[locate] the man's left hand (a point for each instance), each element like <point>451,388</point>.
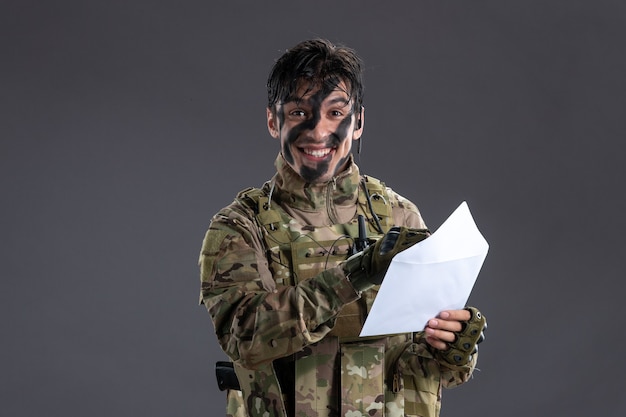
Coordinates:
<point>456,333</point>
<point>441,330</point>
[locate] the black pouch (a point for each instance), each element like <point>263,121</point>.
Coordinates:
<point>226,376</point>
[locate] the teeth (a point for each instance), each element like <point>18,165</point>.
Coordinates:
<point>318,153</point>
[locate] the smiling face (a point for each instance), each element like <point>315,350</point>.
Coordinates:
<point>316,129</point>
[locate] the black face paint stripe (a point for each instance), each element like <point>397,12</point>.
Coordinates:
<point>344,126</point>
<point>280,118</point>
<point>311,174</point>
<point>308,124</point>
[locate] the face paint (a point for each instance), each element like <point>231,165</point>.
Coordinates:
<point>316,132</point>
<point>335,140</point>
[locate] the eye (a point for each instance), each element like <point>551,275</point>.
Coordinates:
<point>297,113</point>
<point>336,113</point>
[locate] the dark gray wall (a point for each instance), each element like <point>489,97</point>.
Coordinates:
<point>126,124</point>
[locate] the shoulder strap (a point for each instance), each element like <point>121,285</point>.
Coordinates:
<point>270,220</point>
<point>376,198</point>
<point>257,200</point>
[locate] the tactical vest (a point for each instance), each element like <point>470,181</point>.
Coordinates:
<point>297,252</point>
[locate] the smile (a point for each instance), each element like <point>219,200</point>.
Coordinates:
<point>317,153</point>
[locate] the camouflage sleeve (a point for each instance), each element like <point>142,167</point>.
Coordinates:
<point>413,367</point>
<point>451,375</point>
<point>255,319</point>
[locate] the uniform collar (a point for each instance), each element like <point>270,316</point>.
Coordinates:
<point>291,189</point>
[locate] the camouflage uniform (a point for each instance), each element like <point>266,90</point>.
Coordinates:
<point>288,317</point>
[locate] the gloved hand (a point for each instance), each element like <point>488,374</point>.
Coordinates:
<point>367,268</point>
<point>466,342</point>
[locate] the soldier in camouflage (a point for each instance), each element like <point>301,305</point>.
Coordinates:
<point>288,279</point>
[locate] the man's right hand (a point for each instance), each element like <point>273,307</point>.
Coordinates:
<point>368,267</point>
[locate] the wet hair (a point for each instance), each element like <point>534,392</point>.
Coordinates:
<point>320,64</point>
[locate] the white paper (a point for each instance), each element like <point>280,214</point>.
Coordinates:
<point>434,275</point>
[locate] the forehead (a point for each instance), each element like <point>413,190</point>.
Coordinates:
<point>319,91</point>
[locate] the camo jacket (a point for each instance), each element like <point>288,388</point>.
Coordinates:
<point>287,316</point>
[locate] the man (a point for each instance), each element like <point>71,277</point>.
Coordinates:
<point>290,270</point>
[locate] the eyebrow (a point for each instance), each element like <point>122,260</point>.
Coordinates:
<point>340,100</point>
<point>331,101</point>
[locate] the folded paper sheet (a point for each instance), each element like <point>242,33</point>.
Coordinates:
<point>436,274</point>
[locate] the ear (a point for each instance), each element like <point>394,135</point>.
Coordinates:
<point>272,125</point>
<point>358,124</point>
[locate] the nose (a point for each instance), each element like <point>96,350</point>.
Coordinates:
<point>322,129</point>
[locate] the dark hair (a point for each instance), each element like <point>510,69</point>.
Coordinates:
<point>321,64</point>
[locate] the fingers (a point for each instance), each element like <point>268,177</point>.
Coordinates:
<point>458,315</point>
<point>437,337</point>
<point>439,331</point>
<point>450,320</point>
<point>436,343</point>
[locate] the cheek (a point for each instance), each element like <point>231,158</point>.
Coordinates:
<point>343,129</point>
<point>342,133</point>
<point>285,136</point>
<point>286,149</point>
<point>280,118</point>
<point>290,135</point>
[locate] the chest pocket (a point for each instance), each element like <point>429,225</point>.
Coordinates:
<point>310,257</point>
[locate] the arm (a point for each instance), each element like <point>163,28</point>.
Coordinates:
<point>256,320</point>
<point>415,368</point>
<point>431,353</point>
<point>446,348</point>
